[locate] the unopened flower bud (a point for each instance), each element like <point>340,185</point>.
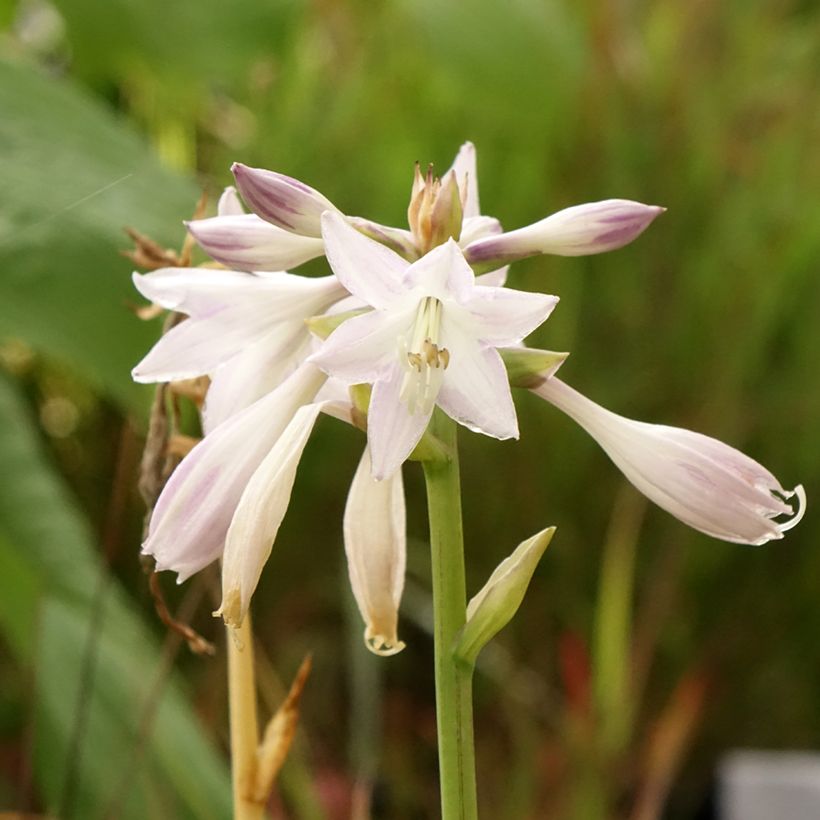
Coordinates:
<point>494,606</point>
<point>435,212</point>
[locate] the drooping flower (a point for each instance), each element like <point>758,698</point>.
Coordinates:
<point>375,546</point>
<point>430,340</point>
<point>707,484</point>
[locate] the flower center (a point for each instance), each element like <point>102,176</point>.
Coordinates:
<point>424,361</point>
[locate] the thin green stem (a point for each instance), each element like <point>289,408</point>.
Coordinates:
<point>454,710</point>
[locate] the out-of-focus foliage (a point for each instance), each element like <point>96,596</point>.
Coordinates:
<point>708,321</point>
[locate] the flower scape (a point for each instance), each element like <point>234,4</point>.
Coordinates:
<point>410,320</point>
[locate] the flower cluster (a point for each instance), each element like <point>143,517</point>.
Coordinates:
<point>421,317</point>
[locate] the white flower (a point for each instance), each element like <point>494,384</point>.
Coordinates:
<point>375,545</point>
<point>247,331</point>
<point>431,340</point>
<point>706,484</point>
<point>196,508</point>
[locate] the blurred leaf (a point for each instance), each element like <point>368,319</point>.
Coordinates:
<point>73,177</point>
<point>44,542</point>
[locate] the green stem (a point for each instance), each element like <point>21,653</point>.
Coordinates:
<point>454,711</point>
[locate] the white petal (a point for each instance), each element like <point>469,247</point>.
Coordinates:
<point>475,391</point>
<point>362,347</point>
<point>366,268</point>
<point>229,204</point>
<point>249,243</point>
<point>494,279</point>
<point>259,514</point>
<point>706,484</point>
<point>478,227</point>
<point>465,167</point>
<point>578,231</point>
<point>392,431</point>
<point>397,239</point>
<point>375,545</point>
<point>255,371</point>
<point>504,316</point>
<point>442,273</point>
<point>193,513</point>
<point>229,311</point>
<point>282,200</point>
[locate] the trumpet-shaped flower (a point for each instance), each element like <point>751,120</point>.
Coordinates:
<point>430,340</point>
<point>197,506</point>
<point>375,545</point>
<point>247,331</point>
<point>706,484</point>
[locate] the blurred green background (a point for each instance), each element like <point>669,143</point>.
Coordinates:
<point>643,650</point>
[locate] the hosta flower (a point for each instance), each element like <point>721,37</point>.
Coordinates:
<point>430,340</point>
<point>375,546</point>
<point>247,331</point>
<point>706,484</point>
<point>449,207</point>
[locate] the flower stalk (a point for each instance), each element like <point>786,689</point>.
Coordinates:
<point>454,715</point>
<point>244,721</point>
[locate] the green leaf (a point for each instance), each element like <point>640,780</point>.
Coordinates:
<point>46,551</point>
<point>73,177</point>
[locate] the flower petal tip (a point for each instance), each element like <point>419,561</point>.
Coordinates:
<point>381,645</point>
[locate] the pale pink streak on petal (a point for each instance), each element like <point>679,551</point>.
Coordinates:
<point>282,200</point>
<point>581,230</point>
<point>475,391</point>
<point>705,483</point>
<point>392,431</point>
<point>191,518</point>
<point>249,243</point>
<point>366,268</point>
<point>504,316</point>
<point>375,545</point>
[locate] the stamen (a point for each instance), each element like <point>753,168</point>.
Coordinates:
<point>424,361</point>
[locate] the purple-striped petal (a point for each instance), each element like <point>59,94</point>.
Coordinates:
<point>282,200</point>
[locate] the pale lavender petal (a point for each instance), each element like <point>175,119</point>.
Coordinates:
<point>255,371</point>
<point>475,391</point>
<point>398,240</point>
<point>706,484</point>
<point>464,166</point>
<point>504,316</point>
<point>193,513</point>
<point>578,231</point>
<point>361,348</point>
<point>375,546</point>
<point>478,227</point>
<point>229,311</point>
<point>249,243</point>
<point>259,514</point>
<point>229,204</point>
<point>392,430</point>
<point>494,279</point>
<point>282,200</point>
<point>367,269</point>
<point>442,273</point>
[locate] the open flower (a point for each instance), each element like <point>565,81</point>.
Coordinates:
<point>430,340</point>
<point>247,331</point>
<point>706,484</point>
